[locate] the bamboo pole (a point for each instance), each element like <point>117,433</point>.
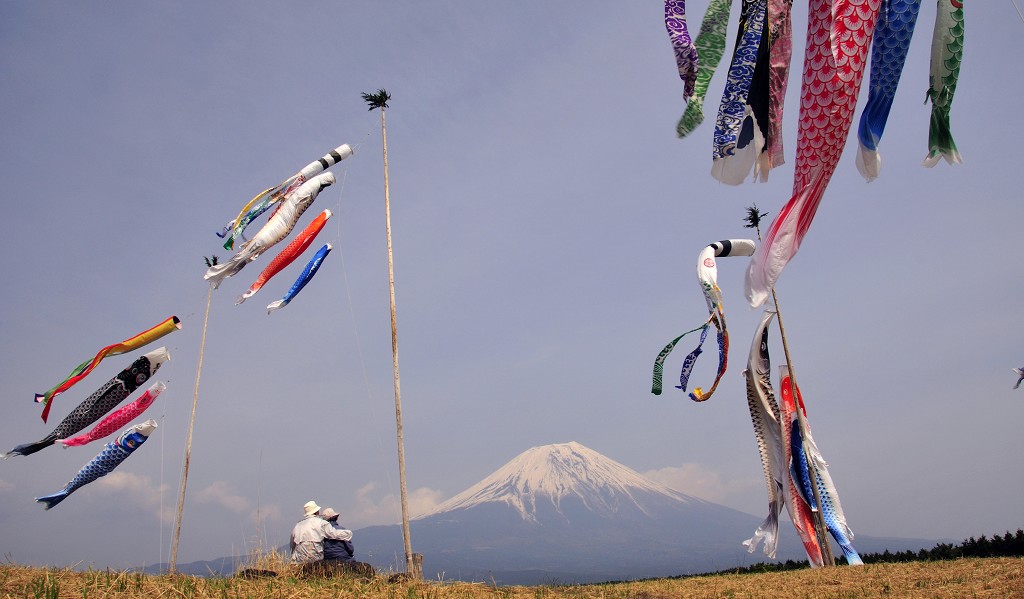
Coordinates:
<point>188,442</point>
<point>411,566</point>
<point>820,530</point>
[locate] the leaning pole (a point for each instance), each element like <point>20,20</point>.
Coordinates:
<point>188,442</point>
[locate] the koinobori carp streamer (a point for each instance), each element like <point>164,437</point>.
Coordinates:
<point>100,402</point>
<point>304,277</point>
<point>268,197</point>
<point>288,255</point>
<point>740,130</point>
<point>103,464</point>
<point>895,28</point>
<point>764,415</point>
<point>277,228</point>
<point>82,370</point>
<point>947,53</point>
<point>805,455</point>
<point>113,421</point>
<point>838,37</point>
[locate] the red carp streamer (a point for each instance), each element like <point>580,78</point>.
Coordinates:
<point>838,37</point>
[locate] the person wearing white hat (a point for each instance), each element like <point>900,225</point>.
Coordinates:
<point>307,542</point>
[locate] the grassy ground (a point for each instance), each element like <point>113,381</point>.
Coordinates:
<point>989,577</point>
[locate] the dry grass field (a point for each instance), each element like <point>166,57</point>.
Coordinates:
<point>981,577</point>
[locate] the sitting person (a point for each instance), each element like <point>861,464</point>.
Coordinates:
<point>307,541</point>
<point>340,551</point>
<point>336,549</point>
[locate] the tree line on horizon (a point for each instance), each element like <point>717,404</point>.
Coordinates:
<point>1008,545</point>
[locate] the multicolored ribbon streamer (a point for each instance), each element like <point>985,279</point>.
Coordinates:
<point>264,199</point>
<point>707,276</point>
<point>82,370</point>
<point>659,362</point>
<point>277,228</point>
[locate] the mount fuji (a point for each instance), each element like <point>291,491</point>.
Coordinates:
<point>565,513</point>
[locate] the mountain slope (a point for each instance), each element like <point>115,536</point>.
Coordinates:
<point>551,473</point>
<point>567,512</point>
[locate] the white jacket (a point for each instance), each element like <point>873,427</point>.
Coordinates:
<point>308,536</point>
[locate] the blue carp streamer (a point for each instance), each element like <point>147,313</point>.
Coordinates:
<point>893,31</point>
<point>307,274</point>
<point>103,464</point>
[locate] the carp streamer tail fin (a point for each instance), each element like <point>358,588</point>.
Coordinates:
<point>940,139</point>
<point>768,530</point>
<point>28,448</point>
<point>49,501</point>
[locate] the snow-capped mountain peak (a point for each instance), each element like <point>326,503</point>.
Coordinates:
<point>552,473</point>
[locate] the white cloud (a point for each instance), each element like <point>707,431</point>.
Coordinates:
<point>696,480</point>
<point>223,493</point>
<point>373,509</point>
<point>266,513</point>
<point>142,490</point>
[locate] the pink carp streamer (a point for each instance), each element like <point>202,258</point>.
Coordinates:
<point>115,420</point>
<point>82,370</point>
<point>838,38</point>
<point>288,254</point>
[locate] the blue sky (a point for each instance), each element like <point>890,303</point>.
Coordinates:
<point>546,224</point>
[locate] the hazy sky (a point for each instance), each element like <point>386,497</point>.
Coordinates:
<point>546,224</point>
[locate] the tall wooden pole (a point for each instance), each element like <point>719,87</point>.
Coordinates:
<point>410,567</point>
<point>188,442</point>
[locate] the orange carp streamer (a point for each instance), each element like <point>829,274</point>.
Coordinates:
<point>288,254</point>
